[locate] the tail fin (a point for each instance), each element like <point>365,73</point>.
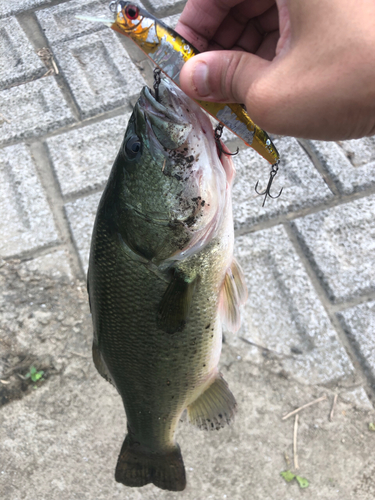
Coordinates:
<point>137,466</point>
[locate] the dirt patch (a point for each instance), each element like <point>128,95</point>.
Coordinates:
<point>22,373</point>
<point>45,326</point>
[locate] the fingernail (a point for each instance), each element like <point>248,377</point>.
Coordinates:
<point>200,79</point>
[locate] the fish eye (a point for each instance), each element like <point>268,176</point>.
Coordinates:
<point>132,11</point>
<point>133,147</point>
<point>118,5</point>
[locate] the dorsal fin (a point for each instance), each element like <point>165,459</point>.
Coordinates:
<point>233,295</point>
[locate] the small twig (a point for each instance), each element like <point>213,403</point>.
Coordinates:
<point>4,118</point>
<point>333,408</point>
<point>47,57</point>
<point>265,349</point>
<point>287,460</point>
<point>80,355</point>
<point>304,406</point>
<point>5,382</point>
<point>54,66</point>
<point>24,364</point>
<point>295,455</point>
<point>50,72</point>
<point>164,165</point>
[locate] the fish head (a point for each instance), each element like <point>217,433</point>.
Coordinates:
<point>130,19</point>
<point>175,189</point>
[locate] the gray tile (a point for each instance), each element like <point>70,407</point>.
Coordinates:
<point>340,243</point>
<point>350,163</point>
<point>99,72</point>
<point>53,265</point>
<point>302,185</point>
<point>358,398</point>
<point>26,220</point>
<point>60,24</point>
<point>283,313</point>
<point>18,61</point>
<point>359,322</point>
<point>171,21</point>
<point>360,152</point>
<point>165,7</point>
<point>81,216</point>
<point>32,109</point>
<point>82,158</point>
<point>10,7</point>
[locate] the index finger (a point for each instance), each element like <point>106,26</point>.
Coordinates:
<point>200,19</point>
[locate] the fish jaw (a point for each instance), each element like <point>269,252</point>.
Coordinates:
<point>180,132</point>
<point>170,129</point>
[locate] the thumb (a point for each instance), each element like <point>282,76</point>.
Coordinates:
<point>221,76</point>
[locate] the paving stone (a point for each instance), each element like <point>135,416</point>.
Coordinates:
<point>340,243</point>
<point>350,163</point>
<point>359,322</point>
<point>18,61</point>
<point>60,24</point>
<point>54,264</point>
<point>302,185</point>
<point>171,21</point>
<point>25,216</point>
<point>99,72</point>
<point>82,158</point>
<point>358,398</point>
<point>165,7</point>
<point>10,7</point>
<point>81,215</point>
<point>283,315</point>
<point>32,109</point>
<point>360,151</point>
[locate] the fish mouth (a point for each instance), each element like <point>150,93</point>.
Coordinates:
<point>165,116</point>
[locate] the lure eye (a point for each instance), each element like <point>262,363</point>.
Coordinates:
<point>132,12</point>
<point>133,147</point>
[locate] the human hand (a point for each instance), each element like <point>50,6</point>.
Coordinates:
<point>305,69</point>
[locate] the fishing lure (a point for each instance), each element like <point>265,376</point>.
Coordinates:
<point>169,51</point>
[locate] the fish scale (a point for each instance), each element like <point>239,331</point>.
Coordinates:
<point>135,286</point>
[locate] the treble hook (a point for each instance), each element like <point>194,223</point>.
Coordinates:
<point>267,191</point>
<point>218,132</point>
<point>157,73</point>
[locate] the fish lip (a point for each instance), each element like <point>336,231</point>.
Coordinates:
<point>150,105</point>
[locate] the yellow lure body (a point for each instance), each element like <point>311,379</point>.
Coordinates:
<point>169,51</point>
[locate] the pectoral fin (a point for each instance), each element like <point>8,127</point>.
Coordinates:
<point>176,302</point>
<point>234,294</point>
<point>214,408</point>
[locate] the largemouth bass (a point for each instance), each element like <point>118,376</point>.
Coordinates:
<point>161,281</point>
<point>169,51</point>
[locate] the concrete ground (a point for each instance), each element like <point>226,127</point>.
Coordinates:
<point>308,326</point>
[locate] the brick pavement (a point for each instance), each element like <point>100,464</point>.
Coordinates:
<point>308,256</point>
